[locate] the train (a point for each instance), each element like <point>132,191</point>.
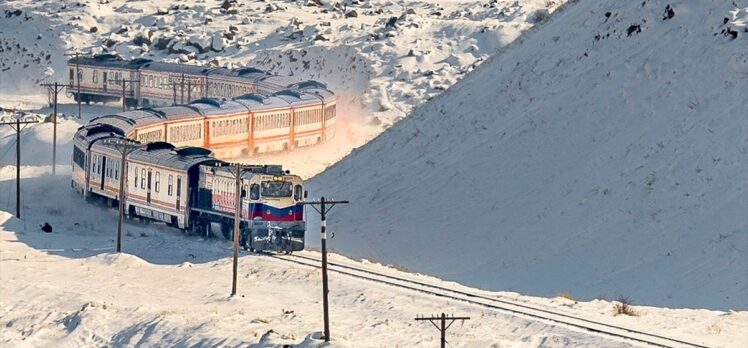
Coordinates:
<point>233,112</point>
<point>175,174</point>
<point>188,188</point>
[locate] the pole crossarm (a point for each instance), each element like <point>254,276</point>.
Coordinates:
<point>14,124</point>
<point>440,322</point>
<point>18,126</point>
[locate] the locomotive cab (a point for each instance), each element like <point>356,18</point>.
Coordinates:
<point>277,217</point>
<point>272,216</point>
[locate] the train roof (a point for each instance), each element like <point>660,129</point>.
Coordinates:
<point>129,120</point>
<point>297,98</point>
<point>109,61</point>
<point>87,135</point>
<point>258,102</point>
<point>178,158</point>
<point>175,68</point>
<point>247,74</point>
<point>275,82</point>
<point>211,107</point>
<point>227,169</point>
<point>179,112</point>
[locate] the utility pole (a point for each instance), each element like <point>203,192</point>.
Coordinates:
<point>54,88</point>
<point>16,126</point>
<point>324,208</point>
<point>237,222</point>
<point>443,326</point>
<point>124,83</point>
<point>174,83</point>
<point>125,147</point>
<point>181,86</point>
<point>76,54</point>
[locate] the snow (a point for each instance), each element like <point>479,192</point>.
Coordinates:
<point>580,159</point>
<point>580,163</point>
<point>362,59</point>
<point>62,289</point>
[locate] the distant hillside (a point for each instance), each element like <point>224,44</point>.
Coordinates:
<point>603,154</point>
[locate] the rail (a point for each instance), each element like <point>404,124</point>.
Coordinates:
<point>512,307</point>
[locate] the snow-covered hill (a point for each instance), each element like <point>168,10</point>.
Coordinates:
<point>383,57</point>
<point>604,154</point>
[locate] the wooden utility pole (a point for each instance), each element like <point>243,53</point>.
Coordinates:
<point>442,326</point>
<point>125,147</point>
<point>124,83</point>
<point>76,54</point>
<point>55,89</point>
<point>237,223</point>
<point>324,208</point>
<point>16,125</point>
<point>181,83</point>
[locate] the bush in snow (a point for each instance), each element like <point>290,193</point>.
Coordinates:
<point>623,306</point>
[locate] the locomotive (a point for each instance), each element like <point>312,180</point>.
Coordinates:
<point>188,188</point>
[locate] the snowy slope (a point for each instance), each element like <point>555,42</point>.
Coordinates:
<point>603,154</point>
<point>67,289</point>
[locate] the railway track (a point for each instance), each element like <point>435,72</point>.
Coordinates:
<point>508,306</point>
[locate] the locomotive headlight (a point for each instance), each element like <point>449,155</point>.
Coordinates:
<point>277,178</point>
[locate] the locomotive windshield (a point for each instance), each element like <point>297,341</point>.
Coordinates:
<point>277,189</point>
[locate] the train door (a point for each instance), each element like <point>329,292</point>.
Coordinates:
<point>104,79</point>
<point>148,194</point>
<point>179,190</point>
<point>103,171</point>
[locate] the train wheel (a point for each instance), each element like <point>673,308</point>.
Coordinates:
<point>227,231</point>
<point>215,229</point>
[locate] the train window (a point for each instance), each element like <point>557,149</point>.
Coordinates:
<point>276,189</point>
<point>158,181</point>
<point>72,75</point>
<point>169,188</point>
<point>116,170</point>
<point>79,157</point>
<point>142,181</point>
<point>297,192</point>
<point>136,177</point>
<point>254,192</point>
<point>95,76</point>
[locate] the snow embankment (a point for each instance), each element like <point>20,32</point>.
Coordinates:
<point>603,154</point>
